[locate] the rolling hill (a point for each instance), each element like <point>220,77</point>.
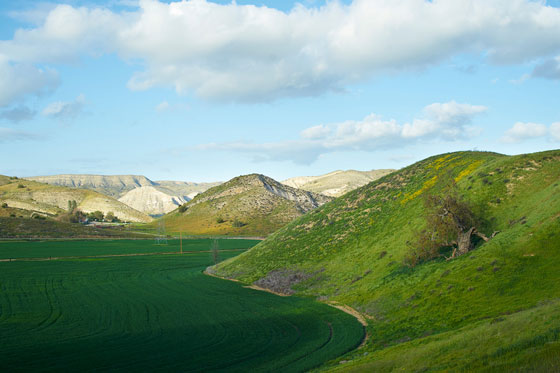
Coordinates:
<point>52,200</point>
<point>246,205</point>
<point>495,308</point>
<point>336,183</point>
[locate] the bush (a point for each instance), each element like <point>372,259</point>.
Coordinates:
<point>4,205</point>
<point>237,224</point>
<point>21,186</point>
<point>219,220</point>
<point>183,208</point>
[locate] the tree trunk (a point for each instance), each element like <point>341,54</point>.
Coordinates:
<point>464,242</point>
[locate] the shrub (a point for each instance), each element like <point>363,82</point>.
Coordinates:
<point>219,220</point>
<point>4,205</point>
<point>183,208</point>
<point>237,223</point>
<point>21,186</point>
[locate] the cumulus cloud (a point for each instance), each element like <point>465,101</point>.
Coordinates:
<point>9,134</point>
<point>65,111</point>
<point>249,53</point>
<point>523,131</point>
<point>18,114</point>
<point>440,121</point>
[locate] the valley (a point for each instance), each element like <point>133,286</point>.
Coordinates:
<point>360,252</point>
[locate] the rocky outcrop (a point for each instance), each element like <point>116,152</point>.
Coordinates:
<point>151,201</point>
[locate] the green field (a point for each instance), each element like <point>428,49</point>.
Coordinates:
<point>82,248</point>
<point>157,312</point>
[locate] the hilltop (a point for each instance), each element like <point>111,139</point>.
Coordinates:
<point>336,183</point>
<point>494,308</point>
<point>51,200</point>
<point>246,205</point>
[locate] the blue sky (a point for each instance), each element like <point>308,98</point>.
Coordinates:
<point>202,91</point>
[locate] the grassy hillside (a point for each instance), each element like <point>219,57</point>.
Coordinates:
<point>246,205</point>
<point>351,250</point>
<point>52,200</point>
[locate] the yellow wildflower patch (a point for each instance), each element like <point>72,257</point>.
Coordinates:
<point>428,184</point>
<point>469,170</point>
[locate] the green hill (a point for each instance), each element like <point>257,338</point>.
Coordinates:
<point>246,205</point>
<point>495,308</point>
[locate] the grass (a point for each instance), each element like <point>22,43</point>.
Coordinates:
<point>354,249</point>
<point>77,248</point>
<point>147,313</point>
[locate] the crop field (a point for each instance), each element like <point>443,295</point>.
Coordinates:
<point>155,312</point>
<point>82,248</point>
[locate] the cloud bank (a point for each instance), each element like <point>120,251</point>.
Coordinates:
<point>525,131</point>
<point>440,121</point>
<point>247,53</point>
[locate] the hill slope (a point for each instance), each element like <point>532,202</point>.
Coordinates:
<point>53,200</point>
<point>336,183</point>
<point>246,205</point>
<point>504,293</point>
<point>151,201</point>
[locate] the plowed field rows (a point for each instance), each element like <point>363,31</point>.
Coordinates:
<point>159,312</point>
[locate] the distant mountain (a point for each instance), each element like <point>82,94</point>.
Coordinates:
<point>246,205</point>
<point>336,183</point>
<point>150,197</point>
<point>52,199</point>
<point>184,188</point>
<point>110,185</point>
<point>152,201</point>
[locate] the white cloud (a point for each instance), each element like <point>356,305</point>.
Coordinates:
<point>249,53</point>
<point>65,111</point>
<point>163,106</point>
<point>523,131</point>
<point>448,121</point>
<point>555,131</point>
<point>20,79</point>
<point>316,132</point>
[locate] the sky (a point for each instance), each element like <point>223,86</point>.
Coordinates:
<point>200,90</point>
